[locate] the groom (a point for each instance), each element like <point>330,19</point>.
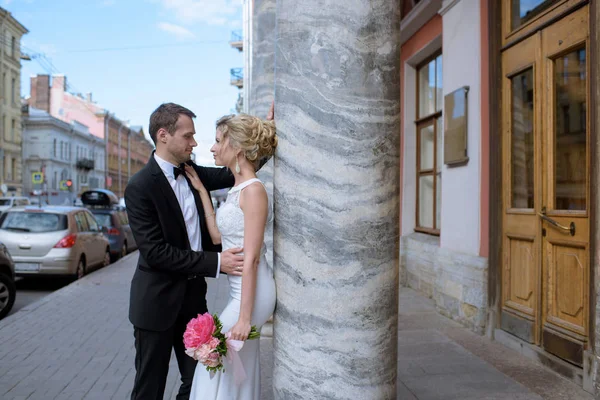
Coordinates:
<point>176,253</point>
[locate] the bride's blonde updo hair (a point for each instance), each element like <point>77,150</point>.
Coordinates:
<point>255,137</point>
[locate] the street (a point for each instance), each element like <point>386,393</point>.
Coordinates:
<point>29,290</point>
<point>82,348</point>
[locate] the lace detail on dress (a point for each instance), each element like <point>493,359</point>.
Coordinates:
<point>230,218</point>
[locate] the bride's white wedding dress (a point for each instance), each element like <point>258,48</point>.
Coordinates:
<point>221,386</point>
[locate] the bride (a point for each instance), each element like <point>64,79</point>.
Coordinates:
<point>242,143</point>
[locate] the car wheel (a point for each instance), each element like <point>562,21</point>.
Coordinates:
<point>8,293</point>
<point>80,273</point>
<point>106,261</point>
<point>124,250</point>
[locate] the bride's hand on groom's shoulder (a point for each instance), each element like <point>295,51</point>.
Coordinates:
<point>232,262</point>
<point>240,330</point>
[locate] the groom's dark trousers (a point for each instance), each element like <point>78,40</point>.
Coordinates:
<point>168,287</point>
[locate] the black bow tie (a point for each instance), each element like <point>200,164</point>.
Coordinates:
<point>179,170</point>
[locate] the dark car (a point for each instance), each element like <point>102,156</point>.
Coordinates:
<point>112,217</point>
<point>8,290</point>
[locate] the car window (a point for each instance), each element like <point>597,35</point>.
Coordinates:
<point>81,221</point>
<point>91,222</point>
<point>104,220</point>
<point>123,218</point>
<point>37,222</point>
<point>22,202</point>
<point>4,202</point>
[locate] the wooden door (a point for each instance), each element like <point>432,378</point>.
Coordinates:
<point>565,168</point>
<point>545,275</point>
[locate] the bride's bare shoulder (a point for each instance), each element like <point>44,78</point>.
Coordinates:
<point>253,195</point>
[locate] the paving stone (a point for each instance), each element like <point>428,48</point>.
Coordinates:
<point>77,343</point>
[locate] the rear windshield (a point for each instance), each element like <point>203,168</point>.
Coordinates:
<point>104,219</point>
<point>33,222</point>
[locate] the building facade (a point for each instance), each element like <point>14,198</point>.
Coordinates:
<point>51,95</point>
<point>499,172</point>
<point>61,152</point>
<point>11,32</point>
<point>499,159</point>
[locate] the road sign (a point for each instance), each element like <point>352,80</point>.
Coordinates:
<point>37,177</point>
<point>63,185</point>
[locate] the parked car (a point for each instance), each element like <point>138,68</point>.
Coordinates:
<point>53,240</point>
<point>8,202</point>
<point>8,290</point>
<point>112,219</point>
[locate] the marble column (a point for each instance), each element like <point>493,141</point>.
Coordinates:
<point>336,188</point>
<point>263,86</point>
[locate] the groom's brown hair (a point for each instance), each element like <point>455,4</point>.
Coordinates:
<point>166,116</point>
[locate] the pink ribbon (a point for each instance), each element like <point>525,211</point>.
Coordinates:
<point>233,346</point>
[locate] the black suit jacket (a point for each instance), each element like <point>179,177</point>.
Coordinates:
<point>163,286</point>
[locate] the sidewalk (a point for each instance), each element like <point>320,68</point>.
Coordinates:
<point>77,343</point>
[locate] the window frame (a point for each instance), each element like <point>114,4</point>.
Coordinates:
<point>422,122</point>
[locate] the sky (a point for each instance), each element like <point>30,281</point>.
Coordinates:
<point>133,55</point>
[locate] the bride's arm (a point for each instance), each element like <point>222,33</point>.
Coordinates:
<point>209,212</point>
<point>254,204</point>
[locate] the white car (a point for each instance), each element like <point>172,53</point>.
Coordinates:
<point>8,202</point>
<point>53,240</point>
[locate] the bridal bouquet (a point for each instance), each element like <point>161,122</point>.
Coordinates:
<point>205,343</point>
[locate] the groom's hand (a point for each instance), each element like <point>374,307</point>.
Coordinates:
<point>232,262</point>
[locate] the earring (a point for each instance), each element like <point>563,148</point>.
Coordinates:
<point>237,166</point>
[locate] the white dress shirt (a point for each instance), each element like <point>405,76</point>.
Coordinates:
<point>186,201</point>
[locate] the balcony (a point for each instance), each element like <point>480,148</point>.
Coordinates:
<point>237,77</point>
<point>85,163</point>
<point>237,40</point>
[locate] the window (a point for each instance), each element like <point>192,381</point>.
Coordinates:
<point>123,218</point>
<point>407,6</point>
<point>13,47</point>
<point>4,87</point>
<point>13,168</point>
<point>93,224</point>
<point>62,151</point>
<point>81,222</point>
<point>104,220</point>
<point>13,91</point>
<point>13,130</point>
<point>7,170</point>
<point>523,11</point>
<point>33,222</point>
<point>55,183</point>
<point>429,145</point>
<point>54,149</point>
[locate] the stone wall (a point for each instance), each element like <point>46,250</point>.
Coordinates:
<point>456,282</point>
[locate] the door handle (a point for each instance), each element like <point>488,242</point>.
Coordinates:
<point>570,228</point>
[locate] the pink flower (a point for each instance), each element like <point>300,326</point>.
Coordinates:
<point>214,342</point>
<point>213,360</point>
<point>199,331</point>
<point>203,353</point>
